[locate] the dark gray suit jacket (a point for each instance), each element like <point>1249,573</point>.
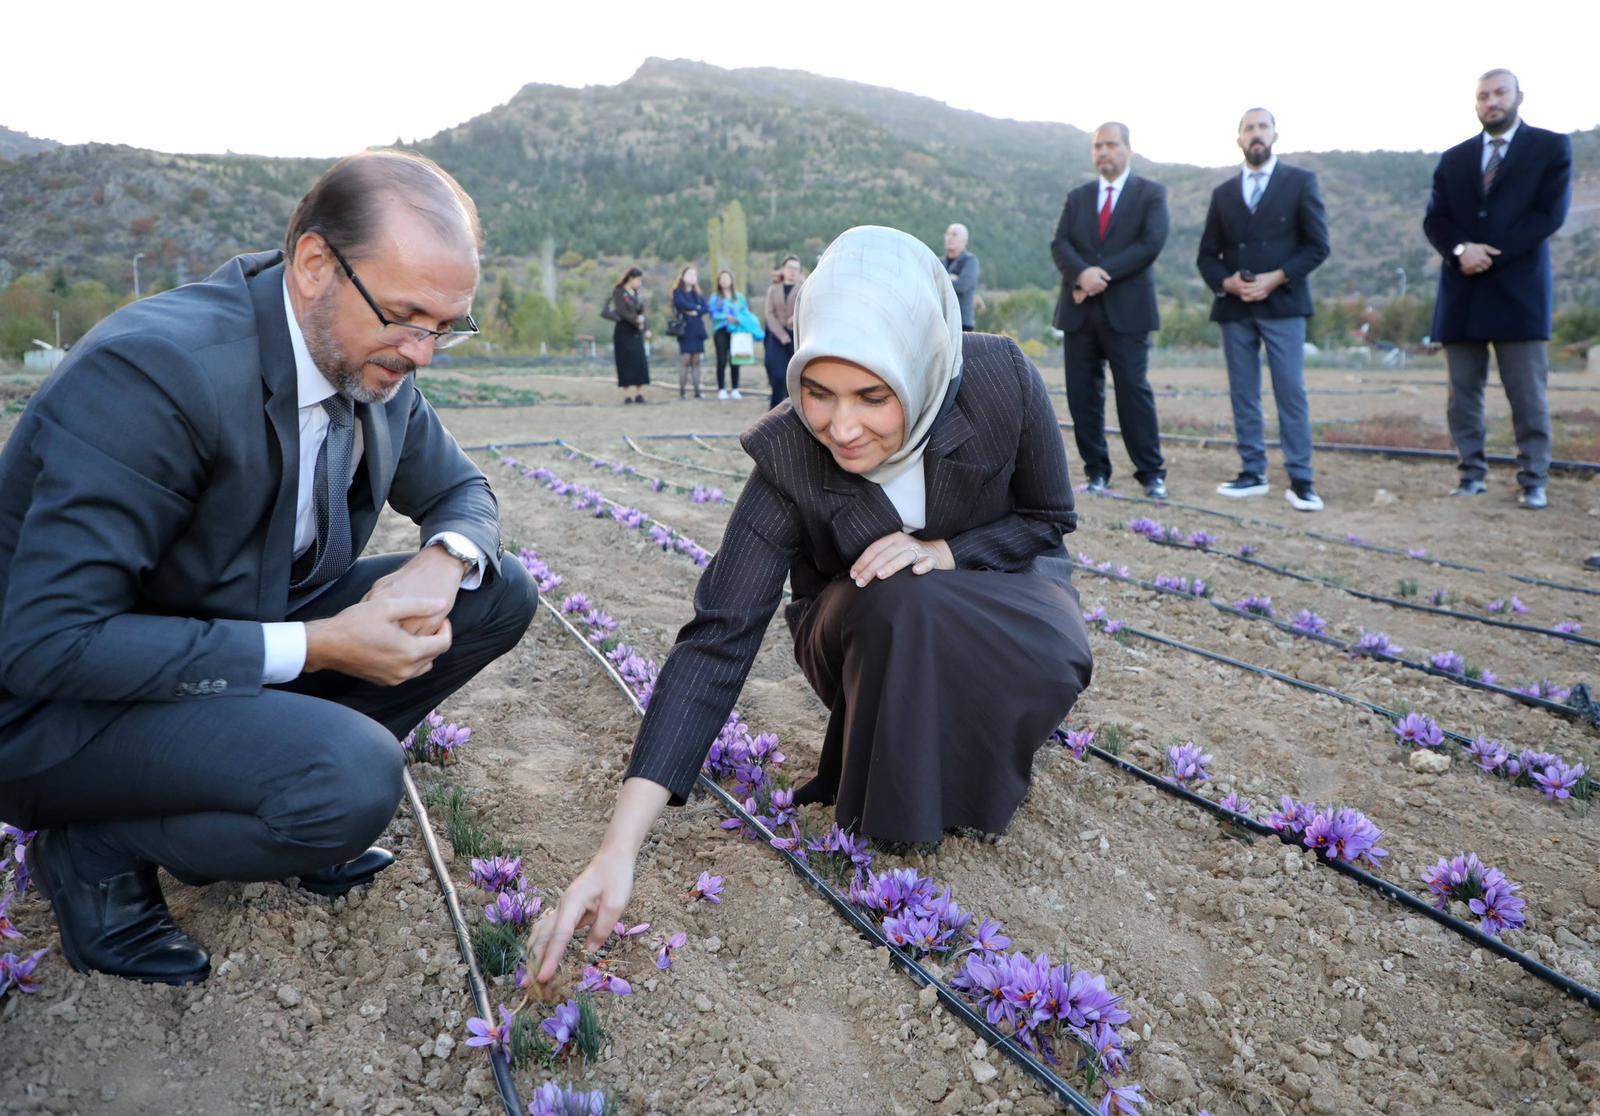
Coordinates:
<point>1289,229</point>
<point>147,508</point>
<point>997,492</point>
<point>1135,236</point>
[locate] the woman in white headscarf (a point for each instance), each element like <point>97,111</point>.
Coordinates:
<point>914,491</point>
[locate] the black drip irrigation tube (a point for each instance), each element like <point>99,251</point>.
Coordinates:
<point>1379,598</point>
<point>1394,892</point>
<point>1582,709</point>
<point>1074,1101</point>
<point>1247,521</point>
<point>634,446</point>
<point>1407,452</point>
<point>503,1082</point>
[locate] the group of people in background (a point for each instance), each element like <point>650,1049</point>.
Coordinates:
<point>1497,199</point>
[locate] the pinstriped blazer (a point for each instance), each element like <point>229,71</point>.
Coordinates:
<point>998,493</point>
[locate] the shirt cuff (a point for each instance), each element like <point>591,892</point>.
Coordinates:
<point>284,645</point>
<point>473,577</point>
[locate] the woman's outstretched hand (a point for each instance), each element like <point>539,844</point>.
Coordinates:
<point>597,896</point>
<point>893,553</point>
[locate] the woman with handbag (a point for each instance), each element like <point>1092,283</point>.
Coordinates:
<point>779,346</point>
<point>689,327</point>
<point>626,308</point>
<point>915,494</point>
<point>728,307</point>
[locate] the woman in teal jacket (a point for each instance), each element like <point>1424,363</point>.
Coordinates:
<point>730,314</point>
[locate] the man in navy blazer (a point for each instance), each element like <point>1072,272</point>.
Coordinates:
<point>1266,232</point>
<point>196,672</point>
<point>1497,200</point>
<point>1106,243</point>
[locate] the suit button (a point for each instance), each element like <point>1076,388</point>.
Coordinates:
<point>1483,213</point>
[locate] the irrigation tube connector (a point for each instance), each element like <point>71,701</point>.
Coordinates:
<point>480,992</point>
<point>1247,521</point>
<point>634,446</point>
<point>1061,1090</point>
<point>1471,933</point>
<point>1409,452</point>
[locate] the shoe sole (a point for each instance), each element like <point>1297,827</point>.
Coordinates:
<point>1241,493</point>
<point>1302,505</point>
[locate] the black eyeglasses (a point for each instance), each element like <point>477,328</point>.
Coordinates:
<point>398,333</point>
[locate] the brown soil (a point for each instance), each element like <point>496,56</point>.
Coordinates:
<point>1258,981</point>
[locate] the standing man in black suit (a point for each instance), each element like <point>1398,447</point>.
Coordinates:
<point>197,671</point>
<point>1497,200</point>
<point>1106,243</point>
<point>1266,232</point>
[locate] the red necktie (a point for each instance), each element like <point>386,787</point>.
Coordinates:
<point>1105,211</point>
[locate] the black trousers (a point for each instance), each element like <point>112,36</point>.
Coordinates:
<point>1087,352</point>
<point>776,355</point>
<point>258,787</point>
<point>722,339</point>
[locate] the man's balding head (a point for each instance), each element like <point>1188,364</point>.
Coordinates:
<point>362,195</point>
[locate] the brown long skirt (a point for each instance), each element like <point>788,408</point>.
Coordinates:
<point>941,688</point>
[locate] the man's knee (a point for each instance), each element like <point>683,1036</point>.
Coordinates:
<point>348,791</point>
<point>503,611</point>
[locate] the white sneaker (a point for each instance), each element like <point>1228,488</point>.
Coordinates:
<point>734,394</point>
<point>1302,497</point>
<point>722,393</point>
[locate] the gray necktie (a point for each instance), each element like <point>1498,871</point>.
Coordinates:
<point>330,488</point>
<point>1492,168</point>
<point>1255,189</point>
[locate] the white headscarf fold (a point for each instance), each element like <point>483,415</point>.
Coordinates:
<point>880,298</point>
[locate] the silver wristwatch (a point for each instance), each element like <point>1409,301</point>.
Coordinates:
<point>467,560</point>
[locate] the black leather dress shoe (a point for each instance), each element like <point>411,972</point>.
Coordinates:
<point>119,925</point>
<point>351,873</point>
<point>1470,488</point>
<point>1156,489</point>
<point>1096,484</point>
<point>1533,497</point>
<point>1592,562</point>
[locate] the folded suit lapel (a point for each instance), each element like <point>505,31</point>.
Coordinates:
<point>276,353</point>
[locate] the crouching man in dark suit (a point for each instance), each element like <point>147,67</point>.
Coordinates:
<point>1266,232</point>
<point>196,670</point>
<point>1110,233</point>
<point>1497,200</point>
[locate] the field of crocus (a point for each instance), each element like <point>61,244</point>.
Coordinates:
<point>1154,955</point>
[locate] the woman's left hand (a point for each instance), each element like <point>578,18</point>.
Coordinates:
<point>893,553</point>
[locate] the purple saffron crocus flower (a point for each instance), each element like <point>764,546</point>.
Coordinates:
<point>1088,1002</point>
<point>1345,834</point>
<point>1569,627</point>
<point>1449,662</point>
<point>1518,607</point>
<point>496,873</point>
<point>1436,598</point>
<point>576,604</point>
<point>18,972</point>
<point>1078,740</point>
<point>562,1027</point>
<point>1419,731</point>
<point>668,948</point>
<point>707,887</point>
<point>1487,754</point>
<point>554,1099</point>
<point>1112,627</point>
<point>498,1036</point>
<point>1556,780</point>
<point>1309,622</point>
<point>1107,1047</point>
<point>513,908</point>
<point>1236,804</point>
<point>1202,540</point>
<point>1496,605</point>
<point>1188,763</point>
<point>1497,909</point>
<point>1248,550</point>
<point>596,979</point>
<point>8,929</point>
<point>988,937</point>
<point>1375,644</point>
<point>1256,606</point>
<point>624,931</point>
<point>1291,816</point>
<point>1416,552</point>
<point>1122,1100</point>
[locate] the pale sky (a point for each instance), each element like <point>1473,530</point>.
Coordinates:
<point>298,78</point>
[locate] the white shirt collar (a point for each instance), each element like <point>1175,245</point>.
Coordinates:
<point>1506,135</point>
<point>311,385</point>
<point>1116,183</point>
<point>1265,169</point>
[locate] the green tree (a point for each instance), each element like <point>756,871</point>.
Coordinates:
<point>735,244</point>
<point>714,262</point>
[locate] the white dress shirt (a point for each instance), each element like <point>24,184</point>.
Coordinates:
<point>1248,187</point>
<point>285,642</point>
<point>1483,163</point>
<point>1116,184</point>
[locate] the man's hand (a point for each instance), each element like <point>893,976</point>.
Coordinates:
<point>1093,280</point>
<point>893,553</point>
<point>431,573</point>
<point>1078,296</point>
<point>1262,286</point>
<point>373,640</point>
<point>1475,259</point>
<point>1234,285</point>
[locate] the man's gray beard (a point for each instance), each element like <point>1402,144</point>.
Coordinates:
<point>331,360</point>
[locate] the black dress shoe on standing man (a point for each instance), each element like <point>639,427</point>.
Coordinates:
<point>119,925</point>
<point>1096,484</point>
<point>1156,489</point>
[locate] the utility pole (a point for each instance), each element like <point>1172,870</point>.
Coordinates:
<point>1400,277</point>
<point>137,256</point>
<point>57,313</point>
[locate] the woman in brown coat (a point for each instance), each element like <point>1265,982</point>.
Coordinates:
<point>779,344</point>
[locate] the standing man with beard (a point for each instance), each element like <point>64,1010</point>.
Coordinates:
<point>1106,243</point>
<point>1265,233</point>
<point>1497,200</point>
<point>196,670</point>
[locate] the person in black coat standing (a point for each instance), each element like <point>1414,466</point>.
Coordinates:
<point>1497,200</point>
<point>1110,233</point>
<point>1266,232</point>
